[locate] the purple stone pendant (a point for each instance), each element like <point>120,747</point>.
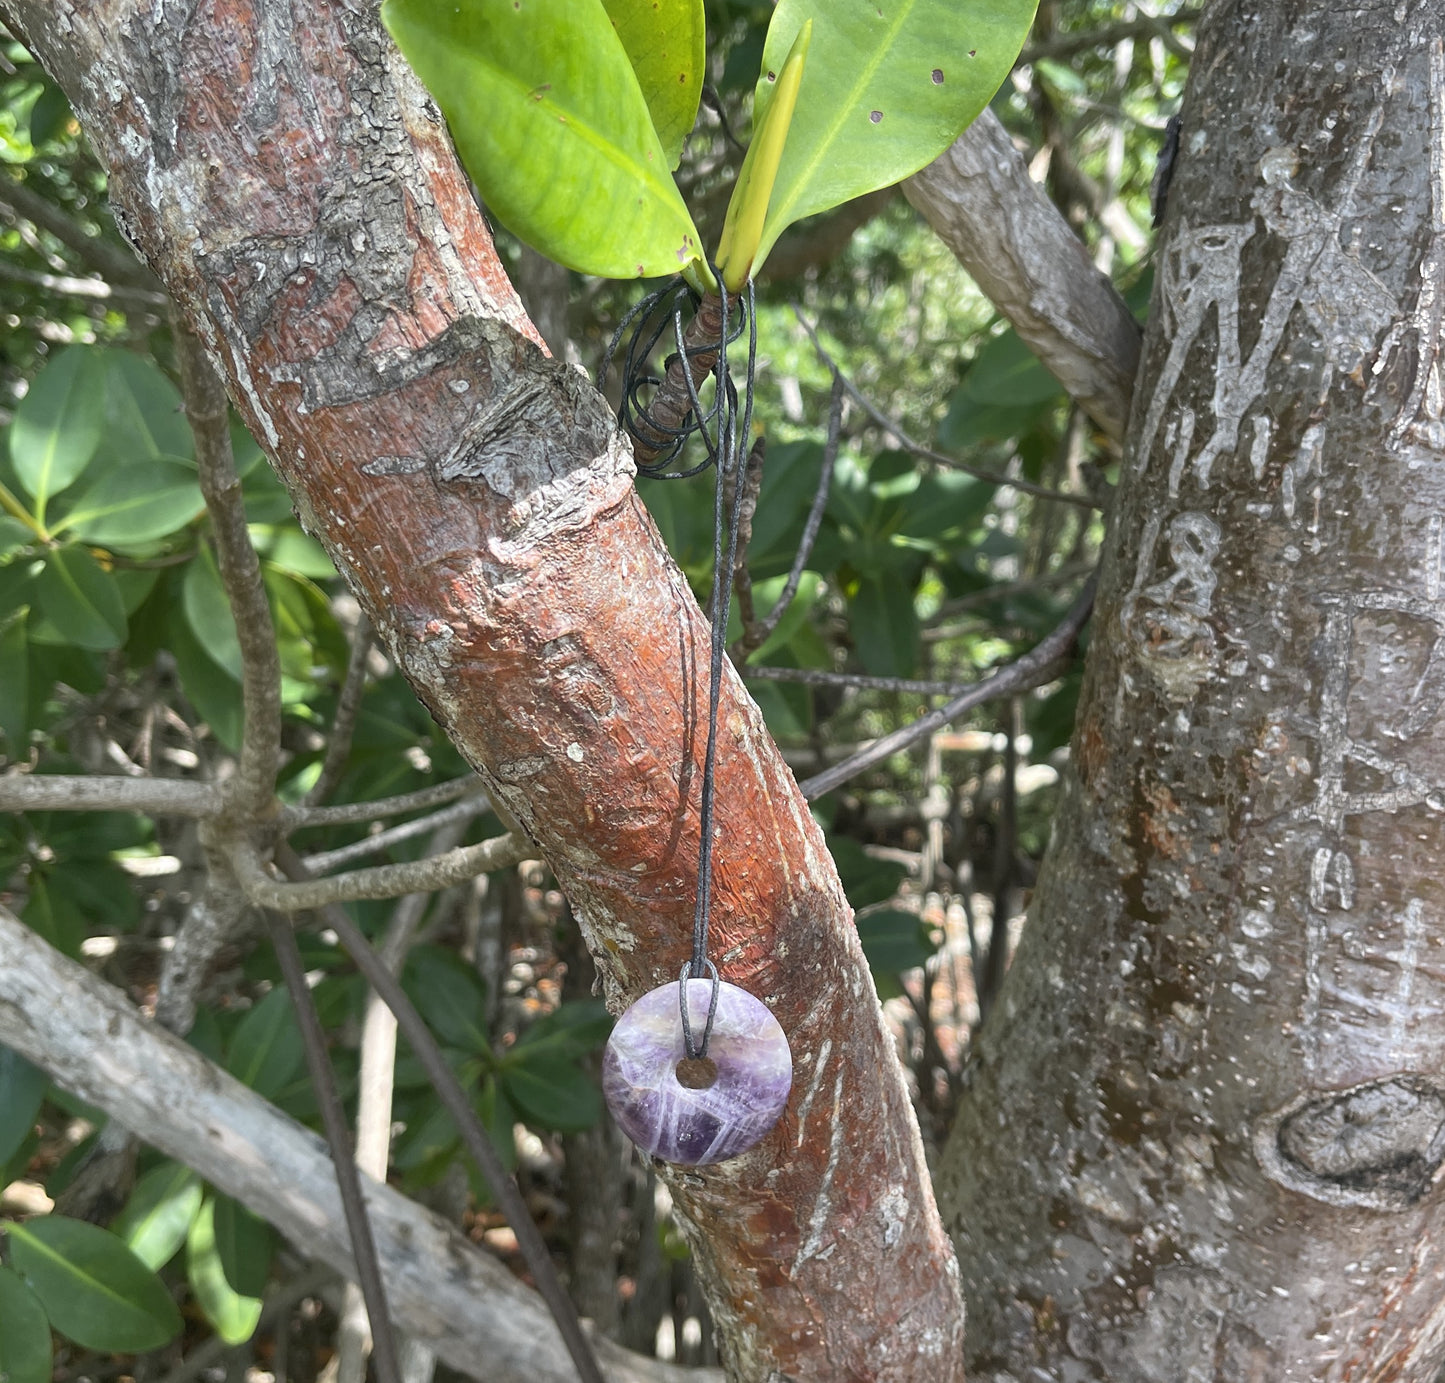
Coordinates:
<point>697,1110</point>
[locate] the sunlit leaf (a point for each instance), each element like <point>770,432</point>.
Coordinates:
<point>95,1291</point>
<point>144,417</point>
<point>159,1213</point>
<point>233,1314</point>
<point>664,42</point>
<point>57,425</point>
<point>550,122</point>
<point>887,89</point>
<point>136,504</point>
<point>208,612</point>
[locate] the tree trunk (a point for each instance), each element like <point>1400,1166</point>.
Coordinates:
<point>286,177</point>
<point>1203,1132</point>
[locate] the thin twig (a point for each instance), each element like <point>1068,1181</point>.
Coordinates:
<point>816,677</point>
<point>1145,26</point>
<point>324,861</point>
<point>44,792</point>
<point>1034,668</point>
<point>974,599</point>
<point>343,724</point>
<point>755,635</point>
<point>895,428</point>
<point>333,1120</point>
<point>751,480</point>
<point>449,1090</point>
<point>207,408</point>
<point>67,285</point>
<point>353,813</point>
<point>385,881</point>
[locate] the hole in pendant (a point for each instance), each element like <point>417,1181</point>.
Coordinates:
<point>697,1072</point>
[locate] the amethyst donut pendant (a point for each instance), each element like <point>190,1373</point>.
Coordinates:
<point>669,1118</point>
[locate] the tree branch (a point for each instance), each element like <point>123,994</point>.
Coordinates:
<point>1003,229</point>
<point>893,426</point>
<point>43,792</point>
<point>343,724</point>
<point>385,881</point>
<point>324,861</point>
<point>1160,26</point>
<point>208,412</point>
<point>71,287</point>
<point>95,1045</point>
<point>1036,667</point>
<point>354,813</point>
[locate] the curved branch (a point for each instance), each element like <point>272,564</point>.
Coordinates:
<point>444,1290</point>
<point>1003,229</point>
<point>1037,666</point>
<point>354,813</point>
<point>385,881</point>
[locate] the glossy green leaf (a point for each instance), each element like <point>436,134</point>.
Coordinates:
<point>572,1029</point>
<point>1007,372</point>
<point>246,1244</point>
<point>550,122</point>
<point>57,425</point>
<point>14,685</point>
<point>22,1089</point>
<point>144,417</point>
<point>213,692</point>
<point>452,996</point>
<point>766,594</point>
<point>208,612</point>
<point>158,1215</point>
<point>551,1090</point>
<point>136,504</point>
<point>95,1291</point>
<point>894,940</point>
<point>81,599</point>
<point>25,1352</point>
<point>887,89</point>
<point>233,1314</point>
<point>664,42</point>
<point>265,1050</point>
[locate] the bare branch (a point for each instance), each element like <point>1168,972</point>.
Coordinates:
<point>979,198</point>
<point>353,813</point>
<point>348,707</point>
<point>816,677</point>
<point>324,861</point>
<point>207,410</point>
<point>385,881</point>
<point>115,265</point>
<point>1036,666</point>
<point>213,919</point>
<point>1159,26</point>
<point>755,635</point>
<point>71,287</point>
<point>93,1043</point>
<point>36,792</point>
<point>893,426</point>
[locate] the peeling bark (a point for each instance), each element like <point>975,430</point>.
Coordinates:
<point>1204,1135</point>
<point>288,180</point>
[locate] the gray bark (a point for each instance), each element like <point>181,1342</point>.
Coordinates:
<point>1202,1137</point>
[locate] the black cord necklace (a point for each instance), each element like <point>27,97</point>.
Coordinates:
<point>684,1097</point>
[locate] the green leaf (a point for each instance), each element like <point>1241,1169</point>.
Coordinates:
<point>214,693</point>
<point>49,116</point>
<point>159,1213</point>
<point>144,417</point>
<point>266,1051</point>
<point>57,425</point>
<point>15,686</point>
<point>208,612</point>
<point>572,1029</point>
<point>551,1090</point>
<point>1007,372</point>
<point>136,504</point>
<point>81,600</point>
<point>50,913</point>
<point>234,1314</point>
<point>94,1289</point>
<point>14,536</point>
<point>894,940</point>
<point>887,89</point>
<point>550,122</point>
<point>246,1244</point>
<point>22,1089</point>
<point>766,594</point>
<point>25,1352</point>
<point>865,880</point>
<point>664,42</point>
<point>452,995</point>
<point>884,625</point>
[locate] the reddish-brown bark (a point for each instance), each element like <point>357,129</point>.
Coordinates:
<point>294,188</point>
